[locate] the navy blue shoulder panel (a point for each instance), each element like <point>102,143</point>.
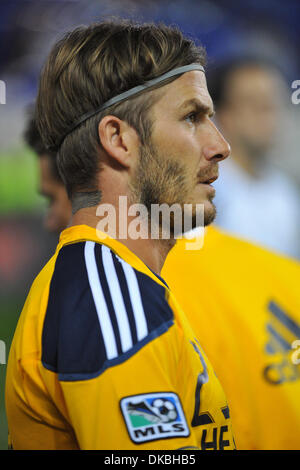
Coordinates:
<point>71,328</point>
<point>74,341</point>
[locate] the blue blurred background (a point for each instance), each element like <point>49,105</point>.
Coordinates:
<point>265,28</point>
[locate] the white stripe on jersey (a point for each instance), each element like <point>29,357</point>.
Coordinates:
<point>100,303</point>
<point>117,299</point>
<point>136,301</point>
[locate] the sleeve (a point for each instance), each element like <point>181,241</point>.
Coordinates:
<point>112,340</point>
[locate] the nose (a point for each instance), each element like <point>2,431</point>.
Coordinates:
<point>217,147</point>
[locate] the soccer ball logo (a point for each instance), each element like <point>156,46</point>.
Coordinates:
<point>164,409</point>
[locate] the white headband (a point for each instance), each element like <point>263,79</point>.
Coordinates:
<point>133,91</point>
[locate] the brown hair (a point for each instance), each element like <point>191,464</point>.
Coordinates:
<point>89,66</point>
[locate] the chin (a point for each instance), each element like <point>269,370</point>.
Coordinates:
<point>210,213</point>
<point>205,218</point>
<point>209,219</point>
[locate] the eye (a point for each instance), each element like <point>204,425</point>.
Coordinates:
<point>192,117</point>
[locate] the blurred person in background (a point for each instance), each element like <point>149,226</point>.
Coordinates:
<point>246,315</point>
<point>50,183</point>
<point>244,303</point>
<point>254,199</point>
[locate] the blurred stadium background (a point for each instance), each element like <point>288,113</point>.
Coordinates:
<point>28,28</point>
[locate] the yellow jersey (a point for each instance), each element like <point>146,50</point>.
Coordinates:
<point>243,303</point>
<point>104,358</point>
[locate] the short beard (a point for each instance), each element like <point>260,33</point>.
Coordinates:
<point>158,180</point>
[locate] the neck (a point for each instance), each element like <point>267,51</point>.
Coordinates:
<point>152,252</point>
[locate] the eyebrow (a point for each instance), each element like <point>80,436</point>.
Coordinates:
<point>200,107</point>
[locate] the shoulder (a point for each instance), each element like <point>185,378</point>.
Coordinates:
<point>225,243</point>
<point>100,312</point>
<point>224,251</point>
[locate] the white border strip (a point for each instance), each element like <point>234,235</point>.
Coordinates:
<point>100,303</point>
<point>117,299</point>
<point>136,301</point>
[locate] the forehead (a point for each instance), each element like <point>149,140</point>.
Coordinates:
<point>177,94</point>
<point>253,80</point>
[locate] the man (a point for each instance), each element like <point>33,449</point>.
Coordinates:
<point>51,186</point>
<point>254,198</point>
<point>246,317</point>
<point>103,357</point>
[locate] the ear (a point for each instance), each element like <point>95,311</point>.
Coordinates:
<point>119,140</point>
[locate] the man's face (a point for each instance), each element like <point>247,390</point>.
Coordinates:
<point>181,161</point>
<point>59,209</point>
<point>250,115</point>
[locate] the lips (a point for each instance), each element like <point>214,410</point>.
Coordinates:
<point>209,180</point>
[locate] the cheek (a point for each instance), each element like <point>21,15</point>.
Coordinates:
<point>200,193</point>
<point>180,144</point>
